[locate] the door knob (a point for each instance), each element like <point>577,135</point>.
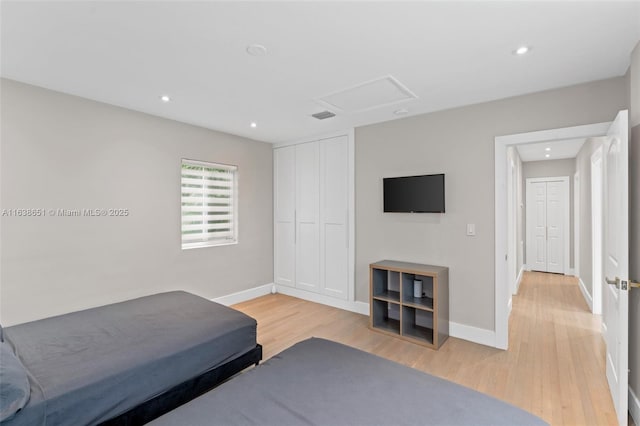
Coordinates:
<point>625,284</point>
<point>615,282</point>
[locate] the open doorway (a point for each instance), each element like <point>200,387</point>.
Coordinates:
<point>503,285</point>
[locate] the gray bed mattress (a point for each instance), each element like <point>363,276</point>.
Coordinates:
<point>319,382</point>
<point>86,367</point>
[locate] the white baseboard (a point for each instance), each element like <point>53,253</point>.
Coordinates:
<point>634,406</point>
<point>473,334</point>
<point>586,294</point>
<point>510,306</point>
<point>460,331</point>
<point>244,295</point>
<point>357,307</point>
<point>519,278</point>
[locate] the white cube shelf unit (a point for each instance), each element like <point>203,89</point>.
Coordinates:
<point>396,311</point>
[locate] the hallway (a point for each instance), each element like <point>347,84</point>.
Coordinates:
<point>558,347</point>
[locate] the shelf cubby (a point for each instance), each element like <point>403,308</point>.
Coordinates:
<point>417,324</point>
<point>425,301</point>
<point>386,285</point>
<point>395,310</point>
<point>386,316</point>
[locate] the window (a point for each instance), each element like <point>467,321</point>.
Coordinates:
<point>209,204</point>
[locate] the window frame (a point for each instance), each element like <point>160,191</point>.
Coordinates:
<point>234,205</point>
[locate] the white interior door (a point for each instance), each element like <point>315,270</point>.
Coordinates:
<point>615,316</point>
<point>284,213</point>
<point>547,223</point>
<point>307,247</point>
<point>555,228</point>
<point>537,225</point>
<point>334,217</point>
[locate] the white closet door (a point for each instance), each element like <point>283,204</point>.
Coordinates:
<point>537,225</point>
<point>555,231</point>
<point>307,194</point>
<point>284,213</point>
<point>334,209</point>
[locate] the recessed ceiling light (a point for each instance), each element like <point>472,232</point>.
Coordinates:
<point>547,155</point>
<point>547,149</point>
<point>522,50</point>
<point>165,98</point>
<point>402,111</point>
<point>256,50</point>
<point>254,124</point>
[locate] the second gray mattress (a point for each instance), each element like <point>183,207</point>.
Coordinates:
<point>319,382</point>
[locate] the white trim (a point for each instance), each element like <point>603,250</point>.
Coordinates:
<point>576,224</point>
<point>576,132</point>
<point>244,295</point>
<point>585,294</point>
<point>571,271</point>
<point>353,306</point>
<point>634,406</point>
<point>597,245</point>
<point>519,278</point>
<point>460,331</point>
<point>350,132</point>
<point>472,334</point>
<point>500,183</point>
<point>351,224</point>
<point>510,305</point>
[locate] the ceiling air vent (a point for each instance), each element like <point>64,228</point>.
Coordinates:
<point>323,115</point>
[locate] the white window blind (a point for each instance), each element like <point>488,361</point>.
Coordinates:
<point>209,200</point>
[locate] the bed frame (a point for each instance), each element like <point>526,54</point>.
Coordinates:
<point>185,391</point>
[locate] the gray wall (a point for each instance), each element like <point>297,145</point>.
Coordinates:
<point>634,219</point>
<point>60,151</point>
<point>552,168</point>
<point>583,167</point>
<point>460,143</point>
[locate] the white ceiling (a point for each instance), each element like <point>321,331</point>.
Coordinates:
<point>558,150</point>
<point>446,53</point>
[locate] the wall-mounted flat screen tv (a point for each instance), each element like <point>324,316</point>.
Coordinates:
<point>414,194</point>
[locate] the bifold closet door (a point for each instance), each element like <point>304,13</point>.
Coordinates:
<point>537,225</point>
<point>307,199</point>
<point>555,247</point>
<point>334,217</point>
<point>545,228</point>
<point>284,173</point>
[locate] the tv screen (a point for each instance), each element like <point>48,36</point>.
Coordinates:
<point>414,194</point>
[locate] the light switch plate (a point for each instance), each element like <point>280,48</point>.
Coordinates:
<point>471,229</point>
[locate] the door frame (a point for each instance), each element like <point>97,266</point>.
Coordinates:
<point>566,218</point>
<point>512,183</point>
<point>597,228</point>
<point>501,289</point>
<point>576,224</point>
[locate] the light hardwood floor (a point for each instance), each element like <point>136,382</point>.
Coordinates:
<point>554,367</point>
